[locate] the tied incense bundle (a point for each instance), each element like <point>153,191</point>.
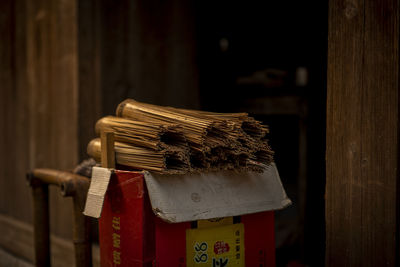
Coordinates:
<point>250,132</point>
<point>173,140</point>
<point>144,134</point>
<point>168,162</point>
<point>202,133</point>
<point>242,120</point>
<point>245,138</point>
<point>216,140</point>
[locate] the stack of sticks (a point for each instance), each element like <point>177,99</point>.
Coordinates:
<point>177,141</point>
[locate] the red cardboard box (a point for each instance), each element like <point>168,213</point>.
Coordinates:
<point>150,220</point>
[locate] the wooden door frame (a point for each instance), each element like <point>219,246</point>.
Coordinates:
<point>362,147</point>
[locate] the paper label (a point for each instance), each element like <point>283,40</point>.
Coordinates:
<point>97,191</point>
<point>221,246</point>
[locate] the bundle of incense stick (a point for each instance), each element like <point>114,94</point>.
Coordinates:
<point>249,131</point>
<point>202,133</point>
<point>143,134</point>
<point>168,162</point>
<point>216,140</point>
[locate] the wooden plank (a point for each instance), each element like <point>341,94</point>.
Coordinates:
<point>7,86</point>
<point>7,259</point>
<point>149,53</point>
<point>114,56</point>
<point>40,100</point>
<point>14,138</point>
<point>21,192</point>
<point>51,37</point>
<point>16,237</point>
<point>89,72</point>
<point>362,133</point>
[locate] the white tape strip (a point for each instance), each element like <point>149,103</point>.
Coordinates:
<point>97,191</point>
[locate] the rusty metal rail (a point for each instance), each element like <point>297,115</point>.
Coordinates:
<point>71,185</point>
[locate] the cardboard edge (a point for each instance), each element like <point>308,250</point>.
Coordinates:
<point>174,218</point>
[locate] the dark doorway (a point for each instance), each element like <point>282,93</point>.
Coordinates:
<point>269,59</point>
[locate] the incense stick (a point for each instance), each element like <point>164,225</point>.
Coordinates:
<point>144,134</point>
<point>171,162</point>
<point>216,140</point>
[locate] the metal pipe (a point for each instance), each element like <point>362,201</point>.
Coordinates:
<point>71,185</point>
<point>40,194</point>
<point>81,236</point>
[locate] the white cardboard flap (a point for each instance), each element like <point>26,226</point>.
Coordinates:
<point>181,198</point>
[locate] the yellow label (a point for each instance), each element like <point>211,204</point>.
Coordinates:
<point>220,246</point>
<point>214,222</point>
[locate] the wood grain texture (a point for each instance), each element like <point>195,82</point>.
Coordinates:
<point>89,72</point>
<point>53,94</point>
<point>57,59</point>
<point>6,92</point>
<point>148,53</point>
<point>14,136</point>
<point>16,237</point>
<point>7,259</point>
<point>39,102</point>
<point>21,120</point>
<point>362,133</point>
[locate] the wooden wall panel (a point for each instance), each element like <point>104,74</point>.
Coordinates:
<point>22,210</point>
<point>89,72</point>
<point>149,53</point>
<point>63,63</point>
<point>39,102</point>
<point>15,196</point>
<point>6,94</point>
<point>362,133</point>
<point>52,69</point>
<point>18,240</point>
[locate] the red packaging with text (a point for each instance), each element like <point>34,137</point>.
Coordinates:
<point>131,234</point>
